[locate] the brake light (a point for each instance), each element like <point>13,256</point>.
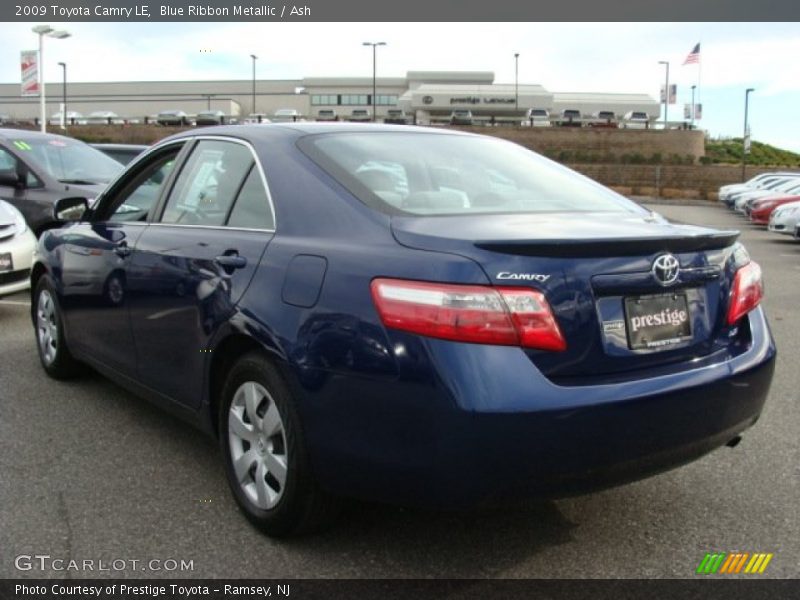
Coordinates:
<point>746,292</point>
<point>468,313</point>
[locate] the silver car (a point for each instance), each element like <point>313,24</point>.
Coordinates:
<point>785,219</point>
<point>17,243</point>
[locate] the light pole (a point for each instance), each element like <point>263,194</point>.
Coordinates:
<point>746,136</point>
<point>516,81</point>
<point>64,94</point>
<point>254,57</point>
<point>693,88</point>
<point>374,72</point>
<point>45,30</point>
<point>666,91</point>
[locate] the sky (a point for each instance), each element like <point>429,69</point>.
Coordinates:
<point>562,57</point>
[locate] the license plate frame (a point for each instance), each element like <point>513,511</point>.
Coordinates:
<point>645,318</point>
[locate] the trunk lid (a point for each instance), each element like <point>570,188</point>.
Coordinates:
<point>597,272</point>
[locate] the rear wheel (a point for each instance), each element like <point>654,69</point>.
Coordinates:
<point>50,341</point>
<point>264,452</point>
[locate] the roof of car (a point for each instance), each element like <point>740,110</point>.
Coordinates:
<point>307,128</point>
<point>8,133</point>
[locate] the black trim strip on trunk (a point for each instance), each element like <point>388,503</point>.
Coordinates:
<point>571,248</point>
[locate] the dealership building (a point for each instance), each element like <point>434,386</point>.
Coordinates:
<point>423,95</point>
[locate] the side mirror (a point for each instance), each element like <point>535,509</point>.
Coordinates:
<point>70,209</point>
<point>10,178</point>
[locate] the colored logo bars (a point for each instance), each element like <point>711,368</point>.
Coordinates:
<point>735,562</point>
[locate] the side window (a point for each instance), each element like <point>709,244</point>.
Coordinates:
<point>208,183</point>
<point>137,197</point>
<point>252,208</point>
<point>9,162</point>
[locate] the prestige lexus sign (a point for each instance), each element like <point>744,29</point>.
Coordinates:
<point>477,100</point>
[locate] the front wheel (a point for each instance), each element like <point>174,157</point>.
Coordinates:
<point>50,341</point>
<point>264,452</point>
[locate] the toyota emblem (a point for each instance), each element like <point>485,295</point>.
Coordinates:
<point>665,269</point>
<point>427,99</point>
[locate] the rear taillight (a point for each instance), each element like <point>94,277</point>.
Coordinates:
<point>746,292</point>
<point>468,313</point>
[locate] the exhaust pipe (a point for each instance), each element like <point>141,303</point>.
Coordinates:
<point>733,442</point>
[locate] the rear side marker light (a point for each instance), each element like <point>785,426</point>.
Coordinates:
<point>746,292</point>
<point>469,313</point>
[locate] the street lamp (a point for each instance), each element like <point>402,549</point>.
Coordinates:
<point>666,91</point>
<point>45,30</point>
<point>746,136</point>
<point>254,57</point>
<point>64,94</point>
<point>374,71</point>
<point>516,81</point>
<point>693,88</point>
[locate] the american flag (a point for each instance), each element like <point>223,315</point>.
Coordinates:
<point>694,56</point>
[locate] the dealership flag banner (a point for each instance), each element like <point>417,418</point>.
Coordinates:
<point>29,62</point>
<point>673,93</point>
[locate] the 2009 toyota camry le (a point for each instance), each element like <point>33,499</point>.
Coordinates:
<point>403,314</point>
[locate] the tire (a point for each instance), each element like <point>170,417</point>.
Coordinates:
<point>265,458</point>
<point>48,326</point>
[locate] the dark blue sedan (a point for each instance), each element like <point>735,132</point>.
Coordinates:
<point>405,315</point>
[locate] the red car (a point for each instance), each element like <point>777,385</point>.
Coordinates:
<point>762,209</point>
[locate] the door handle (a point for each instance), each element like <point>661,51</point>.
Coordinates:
<point>231,261</point>
<point>122,250</point>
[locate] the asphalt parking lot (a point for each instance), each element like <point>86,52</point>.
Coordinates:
<point>90,472</point>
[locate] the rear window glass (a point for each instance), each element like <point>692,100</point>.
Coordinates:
<point>438,174</point>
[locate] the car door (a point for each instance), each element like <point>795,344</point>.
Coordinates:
<point>95,261</point>
<point>192,265</point>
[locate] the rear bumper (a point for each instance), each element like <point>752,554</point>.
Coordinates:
<point>477,433</point>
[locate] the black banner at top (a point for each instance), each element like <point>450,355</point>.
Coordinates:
<point>407,10</point>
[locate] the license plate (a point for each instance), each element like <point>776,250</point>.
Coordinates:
<point>657,321</point>
<point>6,262</point>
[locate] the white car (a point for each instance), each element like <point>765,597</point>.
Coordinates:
<point>785,186</point>
<point>536,117</point>
<point>17,243</point>
<point>785,219</point>
<point>756,183</point>
<point>287,115</point>
<point>104,117</point>
<point>73,118</point>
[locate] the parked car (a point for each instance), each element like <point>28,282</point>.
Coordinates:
<point>537,117</point>
<point>257,118</point>
<point>360,115</point>
<point>36,169</point>
<point>783,187</point>
<point>728,194</point>
<point>571,117</point>
<point>104,117</point>
<point>210,117</point>
<point>752,183</point>
<point>396,116</point>
<point>546,336</point>
<point>327,114</point>
<point>761,210</point>
<point>461,116</point>
<point>785,218</point>
<point>636,119</point>
<point>604,118</point>
<point>17,243</point>
<point>287,115</point>
<point>122,153</point>
<point>73,118</point>
<point>172,118</point>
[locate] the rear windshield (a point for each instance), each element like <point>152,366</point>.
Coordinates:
<point>436,174</point>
